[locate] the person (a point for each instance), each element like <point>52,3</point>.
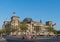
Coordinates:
<point>23,37</point>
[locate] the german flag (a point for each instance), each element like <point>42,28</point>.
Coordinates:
<point>54,24</point>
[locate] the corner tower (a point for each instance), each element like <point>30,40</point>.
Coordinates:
<point>14,21</point>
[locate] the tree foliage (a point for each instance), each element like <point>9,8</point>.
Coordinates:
<point>8,30</point>
<point>51,29</point>
<point>58,31</point>
<point>23,26</point>
<point>2,31</point>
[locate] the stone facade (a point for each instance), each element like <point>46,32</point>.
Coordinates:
<point>15,25</point>
<point>33,27</point>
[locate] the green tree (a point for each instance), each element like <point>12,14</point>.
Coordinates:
<point>23,27</point>
<point>2,32</point>
<point>58,32</point>
<point>8,30</point>
<point>51,29</point>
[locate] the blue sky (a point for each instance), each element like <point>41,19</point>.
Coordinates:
<point>46,10</point>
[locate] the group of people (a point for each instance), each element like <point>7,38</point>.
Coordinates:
<point>29,37</point>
